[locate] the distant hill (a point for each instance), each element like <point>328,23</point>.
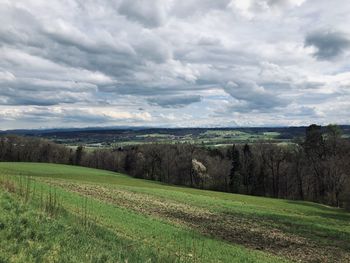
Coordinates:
<point>286,131</point>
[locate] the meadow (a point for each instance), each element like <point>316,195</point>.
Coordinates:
<point>61,213</point>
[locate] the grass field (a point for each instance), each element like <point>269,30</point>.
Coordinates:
<point>108,217</point>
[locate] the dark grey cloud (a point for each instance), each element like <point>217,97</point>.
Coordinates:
<point>36,101</point>
<point>174,101</point>
<point>329,44</point>
<point>253,97</point>
<point>38,92</point>
<point>283,3</point>
<point>148,13</point>
<point>194,7</point>
<point>303,112</point>
<point>19,25</point>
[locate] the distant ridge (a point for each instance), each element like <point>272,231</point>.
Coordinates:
<point>118,129</point>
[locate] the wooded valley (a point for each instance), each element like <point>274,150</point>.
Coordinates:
<point>316,168</point>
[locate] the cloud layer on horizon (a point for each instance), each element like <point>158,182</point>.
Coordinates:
<point>173,63</point>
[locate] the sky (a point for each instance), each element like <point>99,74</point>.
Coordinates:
<point>174,63</point>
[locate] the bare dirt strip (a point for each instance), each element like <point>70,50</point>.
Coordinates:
<point>250,233</point>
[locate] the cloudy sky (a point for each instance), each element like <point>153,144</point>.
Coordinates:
<point>75,63</point>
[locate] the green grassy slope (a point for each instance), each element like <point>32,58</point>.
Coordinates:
<point>28,235</point>
<point>183,224</point>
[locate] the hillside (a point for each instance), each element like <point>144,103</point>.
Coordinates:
<point>71,213</point>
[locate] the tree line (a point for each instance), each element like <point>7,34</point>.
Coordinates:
<point>314,168</point>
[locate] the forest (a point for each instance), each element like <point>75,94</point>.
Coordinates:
<point>314,168</point>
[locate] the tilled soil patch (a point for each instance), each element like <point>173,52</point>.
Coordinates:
<point>236,229</point>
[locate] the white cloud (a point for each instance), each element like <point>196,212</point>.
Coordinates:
<point>78,62</point>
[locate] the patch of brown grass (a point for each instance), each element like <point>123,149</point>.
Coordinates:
<point>8,185</point>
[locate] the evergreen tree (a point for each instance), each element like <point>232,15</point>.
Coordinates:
<point>235,169</point>
<point>78,155</point>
